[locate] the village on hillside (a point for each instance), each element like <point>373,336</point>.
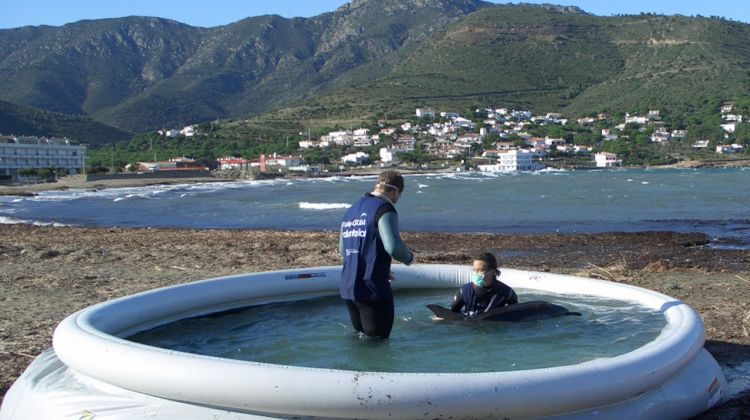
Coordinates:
<point>501,144</point>
<point>493,140</point>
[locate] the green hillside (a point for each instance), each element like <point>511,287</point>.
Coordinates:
<point>271,77</point>
<point>552,61</point>
<point>19,120</point>
<point>141,73</point>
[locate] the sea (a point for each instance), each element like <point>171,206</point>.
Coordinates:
<point>714,201</point>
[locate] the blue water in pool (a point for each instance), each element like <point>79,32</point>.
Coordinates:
<point>317,333</point>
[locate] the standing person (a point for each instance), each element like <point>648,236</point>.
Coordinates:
<point>485,291</point>
<point>369,239</point>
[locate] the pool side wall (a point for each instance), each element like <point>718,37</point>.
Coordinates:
<point>645,382</point>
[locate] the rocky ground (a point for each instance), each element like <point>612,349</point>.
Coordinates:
<point>47,273</point>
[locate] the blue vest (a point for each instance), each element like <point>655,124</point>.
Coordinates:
<point>367,265</point>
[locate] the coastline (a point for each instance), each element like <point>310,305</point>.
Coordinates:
<point>47,273</point>
<point>80,182</point>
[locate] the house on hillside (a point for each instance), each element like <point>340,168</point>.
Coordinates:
<point>608,135</point>
<point>660,136</point>
<point>425,113</point>
<point>700,144</point>
<point>607,160</point>
<point>188,131</point>
<point>728,148</point>
<point>231,162</point>
<point>512,161</point>
<point>388,156</point>
<point>359,158</point>
<point>635,119</point>
<point>730,127</point>
<point>284,161</point>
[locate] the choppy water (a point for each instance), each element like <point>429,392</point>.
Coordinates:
<point>713,201</point>
<point>317,333</point>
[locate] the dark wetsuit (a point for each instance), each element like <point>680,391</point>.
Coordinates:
<point>365,284</point>
<point>472,299</point>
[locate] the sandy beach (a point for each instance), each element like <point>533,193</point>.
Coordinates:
<point>47,273</point>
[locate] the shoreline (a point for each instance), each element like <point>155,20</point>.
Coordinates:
<point>47,273</point>
<point>79,181</point>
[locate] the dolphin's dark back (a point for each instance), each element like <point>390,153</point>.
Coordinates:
<point>525,311</point>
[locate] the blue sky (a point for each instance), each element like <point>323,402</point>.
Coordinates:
<point>207,13</point>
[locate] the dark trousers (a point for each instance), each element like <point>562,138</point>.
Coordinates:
<point>373,318</point>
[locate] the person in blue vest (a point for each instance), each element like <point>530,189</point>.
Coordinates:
<point>369,240</point>
<point>485,291</point>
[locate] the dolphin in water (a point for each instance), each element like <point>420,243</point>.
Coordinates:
<point>525,311</point>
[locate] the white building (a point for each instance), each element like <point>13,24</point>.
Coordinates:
<point>358,158</point>
<point>635,119</point>
<point>728,148</point>
<point>608,135</point>
<point>308,144</point>
<point>660,136</point>
<point>362,142</point>
<point>188,131</point>
<point>388,155</point>
<point>733,118</point>
<point>17,153</point>
<point>342,138</point>
<point>512,161</point>
<point>425,112</point>
<point>550,142</point>
<point>607,160</point>
<point>730,127</point>
<point>285,161</point>
<point>679,134</point>
<point>232,162</point>
<point>172,132</point>
<point>700,144</point>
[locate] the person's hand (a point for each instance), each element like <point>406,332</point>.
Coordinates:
<point>411,261</point>
<point>391,277</point>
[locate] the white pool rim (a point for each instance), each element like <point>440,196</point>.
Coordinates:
<point>89,343</point>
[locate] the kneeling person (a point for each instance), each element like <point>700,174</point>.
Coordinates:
<point>485,291</point>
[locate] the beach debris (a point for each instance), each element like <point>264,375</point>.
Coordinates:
<point>49,254</point>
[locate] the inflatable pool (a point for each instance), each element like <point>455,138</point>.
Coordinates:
<point>92,371</point>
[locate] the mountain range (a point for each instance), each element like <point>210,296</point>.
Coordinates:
<point>369,59</point>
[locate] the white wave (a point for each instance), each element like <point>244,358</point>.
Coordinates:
<point>323,206</point>
<point>645,182</point>
<point>11,221</point>
<point>149,191</point>
<point>422,185</point>
<point>551,170</point>
<point>17,200</point>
